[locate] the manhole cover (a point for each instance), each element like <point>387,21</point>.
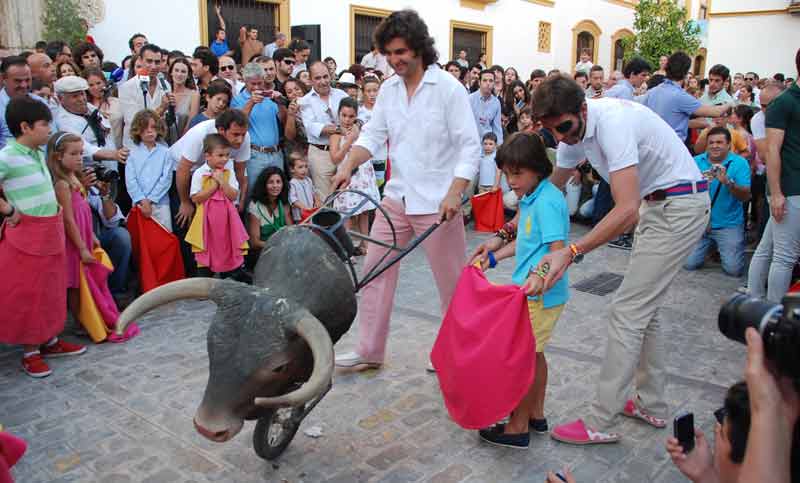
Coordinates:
<point>601,284</point>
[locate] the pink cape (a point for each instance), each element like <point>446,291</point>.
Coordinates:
<point>484,354</point>
<point>33,285</point>
<point>223,235</point>
<point>11,450</point>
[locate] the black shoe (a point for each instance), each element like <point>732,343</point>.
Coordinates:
<point>539,426</point>
<point>625,242</point>
<point>495,436</point>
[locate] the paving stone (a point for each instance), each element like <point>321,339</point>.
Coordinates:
<point>165,475</point>
<point>452,474</point>
<point>387,458</point>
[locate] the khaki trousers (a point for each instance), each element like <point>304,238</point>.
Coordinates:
<point>667,232</point>
<point>322,170</point>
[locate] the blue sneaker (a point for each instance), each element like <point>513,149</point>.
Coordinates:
<point>495,436</point>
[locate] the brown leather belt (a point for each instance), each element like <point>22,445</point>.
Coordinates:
<point>323,147</point>
<point>264,149</point>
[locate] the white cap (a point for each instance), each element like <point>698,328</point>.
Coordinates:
<point>70,83</point>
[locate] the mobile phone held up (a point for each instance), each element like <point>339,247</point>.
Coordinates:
<point>683,428</point>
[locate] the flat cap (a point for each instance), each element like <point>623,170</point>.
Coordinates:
<point>71,83</point>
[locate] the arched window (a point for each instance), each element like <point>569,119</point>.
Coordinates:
<point>585,35</point>
<point>618,49</point>
<point>585,41</point>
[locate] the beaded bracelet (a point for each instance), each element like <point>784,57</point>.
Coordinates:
<point>492,260</point>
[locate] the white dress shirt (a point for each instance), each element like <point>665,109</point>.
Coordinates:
<point>622,133</point>
<point>432,138</point>
<point>76,124</point>
<point>316,113</point>
<point>132,100</point>
<point>364,115</point>
<point>190,145</point>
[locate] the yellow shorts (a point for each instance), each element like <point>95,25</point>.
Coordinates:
<point>543,321</point>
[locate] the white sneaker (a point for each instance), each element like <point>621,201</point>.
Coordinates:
<point>430,367</point>
<point>352,359</point>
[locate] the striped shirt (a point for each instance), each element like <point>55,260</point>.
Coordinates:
<point>26,181</point>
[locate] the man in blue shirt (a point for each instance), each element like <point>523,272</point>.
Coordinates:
<point>729,175</point>
<point>264,114</point>
<point>220,44</point>
<point>673,104</point>
<point>636,72</point>
<point>486,107</point>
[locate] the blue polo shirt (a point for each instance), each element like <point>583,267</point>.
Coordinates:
<point>263,123</point>
<point>727,211</point>
<point>674,105</point>
<point>543,219</point>
<point>219,48</point>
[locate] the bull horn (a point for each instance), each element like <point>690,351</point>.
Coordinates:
<point>190,288</point>
<point>318,339</point>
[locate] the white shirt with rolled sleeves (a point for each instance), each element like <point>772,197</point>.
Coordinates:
<point>132,100</point>
<point>190,146</point>
<point>621,133</point>
<point>316,113</point>
<point>75,124</point>
<point>432,138</point>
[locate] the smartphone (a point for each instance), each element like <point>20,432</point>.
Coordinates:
<point>683,429</point>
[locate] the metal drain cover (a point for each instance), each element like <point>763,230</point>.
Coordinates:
<point>601,284</point>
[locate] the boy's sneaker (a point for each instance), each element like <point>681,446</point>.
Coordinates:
<point>62,349</point>
<point>495,436</point>
<point>35,366</point>
<point>539,426</point>
<point>625,242</point>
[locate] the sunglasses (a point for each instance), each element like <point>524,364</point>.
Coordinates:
<point>288,61</point>
<point>751,79</point>
<point>227,67</point>
<point>720,414</point>
<point>564,127</point>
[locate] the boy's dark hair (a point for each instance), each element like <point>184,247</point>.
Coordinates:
<point>407,25</point>
<point>721,71</point>
<point>149,48</point>
<point>25,109</point>
<point>636,66</point>
<point>717,130</point>
<point>527,111</point>
<point>524,150</point>
<point>214,141</point>
<point>219,86</point>
<point>678,66</point>
<point>260,188</point>
<point>596,68</point>
<point>737,413</point>
<point>229,117</point>
<point>489,135</point>
<point>54,48</point>
<point>537,73</point>
<point>557,95</point>
<point>281,54</point>
<point>208,59</point>
<point>134,37</point>
<point>580,73</point>
<point>294,157</point>
<point>486,71</point>
<point>329,58</point>
<point>299,45</point>
<point>40,45</point>
<point>348,102</point>
<point>82,48</point>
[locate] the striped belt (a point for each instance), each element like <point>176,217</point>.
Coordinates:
<point>264,149</point>
<point>678,190</point>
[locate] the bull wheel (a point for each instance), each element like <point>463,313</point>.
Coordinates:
<point>275,430</point>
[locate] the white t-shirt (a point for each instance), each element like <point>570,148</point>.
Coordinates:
<point>758,125</point>
<point>488,170</point>
<point>621,133</point>
<point>190,146</point>
<point>205,170</point>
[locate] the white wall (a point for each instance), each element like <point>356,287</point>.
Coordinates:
<point>170,24</point>
<point>764,44</point>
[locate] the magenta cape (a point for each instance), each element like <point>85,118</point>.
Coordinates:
<point>484,354</point>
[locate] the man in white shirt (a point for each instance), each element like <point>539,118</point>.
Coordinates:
<point>375,60</point>
<point>425,115</point>
<point>320,112</point>
<point>136,94</point>
<point>279,43</point>
<point>654,177</point>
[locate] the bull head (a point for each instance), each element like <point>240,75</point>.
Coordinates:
<point>260,347</point>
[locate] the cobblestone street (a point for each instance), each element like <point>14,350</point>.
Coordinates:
<point>123,413</point>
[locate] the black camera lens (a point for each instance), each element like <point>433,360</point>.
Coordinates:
<point>741,312</point>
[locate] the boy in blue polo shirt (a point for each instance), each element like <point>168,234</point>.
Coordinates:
<point>543,227</point>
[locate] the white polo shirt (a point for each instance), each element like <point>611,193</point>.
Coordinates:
<point>621,133</point>
<point>432,139</point>
<point>190,146</point>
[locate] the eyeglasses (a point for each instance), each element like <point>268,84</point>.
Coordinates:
<point>720,414</point>
<point>564,127</point>
<point>227,67</point>
<point>288,61</point>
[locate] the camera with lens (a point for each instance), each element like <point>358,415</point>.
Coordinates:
<point>778,324</point>
<point>104,174</point>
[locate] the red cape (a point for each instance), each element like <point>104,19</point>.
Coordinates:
<point>157,251</point>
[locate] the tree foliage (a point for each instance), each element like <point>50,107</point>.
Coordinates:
<point>661,28</point>
<point>62,21</point>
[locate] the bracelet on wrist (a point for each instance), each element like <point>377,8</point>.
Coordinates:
<point>492,260</point>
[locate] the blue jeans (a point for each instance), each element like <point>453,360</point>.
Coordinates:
<point>117,243</point>
<point>603,202</point>
<point>257,163</point>
<point>729,242</point>
<point>776,255</point>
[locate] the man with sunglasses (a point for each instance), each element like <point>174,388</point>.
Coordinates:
<point>652,175</point>
<point>227,71</point>
<point>284,64</point>
<point>751,79</point>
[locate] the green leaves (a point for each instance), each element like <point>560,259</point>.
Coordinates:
<point>661,28</point>
<point>62,21</point>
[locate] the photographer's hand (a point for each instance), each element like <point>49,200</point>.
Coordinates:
<point>698,464</point>
<point>88,178</point>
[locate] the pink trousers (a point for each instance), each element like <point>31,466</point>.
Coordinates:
<point>445,250</point>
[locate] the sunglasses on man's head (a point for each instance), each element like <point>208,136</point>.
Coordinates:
<point>719,415</point>
<point>227,67</point>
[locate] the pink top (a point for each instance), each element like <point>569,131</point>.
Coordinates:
<point>82,213</point>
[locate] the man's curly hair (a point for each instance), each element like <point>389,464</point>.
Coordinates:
<point>407,25</point>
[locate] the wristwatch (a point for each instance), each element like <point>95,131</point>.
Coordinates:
<point>577,255</point>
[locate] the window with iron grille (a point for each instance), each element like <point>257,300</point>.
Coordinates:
<point>471,41</point>
<point>364,28</point>
<point>237,13</point>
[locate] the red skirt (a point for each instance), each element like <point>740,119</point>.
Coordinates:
<point>33,284</point>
